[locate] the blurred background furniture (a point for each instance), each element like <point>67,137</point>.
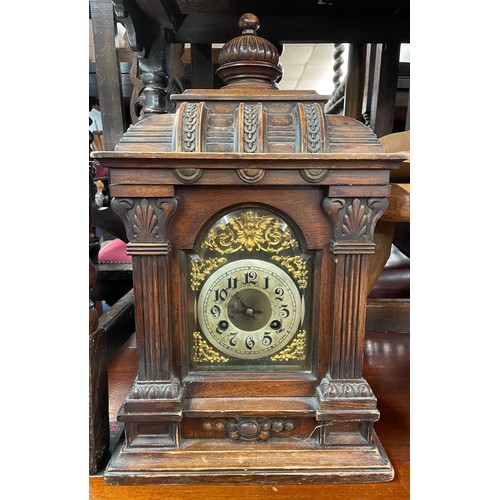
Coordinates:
<point>390,277</point>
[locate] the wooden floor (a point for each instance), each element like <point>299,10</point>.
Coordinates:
<point>387,369</point>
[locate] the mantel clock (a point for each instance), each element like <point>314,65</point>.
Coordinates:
<point>250,217</point>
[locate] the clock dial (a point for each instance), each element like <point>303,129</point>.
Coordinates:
<point>249,309</point>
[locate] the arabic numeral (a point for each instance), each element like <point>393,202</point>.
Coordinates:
<point>279,294</point>
<point>250,342</point>
<point>267,339</point>
<point>220,295</point>
<point>215,311</point>
<point>284,313</point>
<point>250,278</point>
<point>232,339</point>
<point>232,283</point>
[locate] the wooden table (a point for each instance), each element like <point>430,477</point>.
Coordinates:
<point>387,369</point>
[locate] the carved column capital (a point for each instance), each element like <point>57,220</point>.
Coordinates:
<point>353,221</point>
<point>172,390</point>
<point>146,222</point>
<point>344,388</point>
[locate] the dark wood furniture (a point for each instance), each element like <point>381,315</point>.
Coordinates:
<point>256,172</point>
<point>98,387</point>
<point>107,332</point>
<point>386,368</point>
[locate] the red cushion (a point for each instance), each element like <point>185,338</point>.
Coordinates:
<point>100,171</point>
<point>114,252</point>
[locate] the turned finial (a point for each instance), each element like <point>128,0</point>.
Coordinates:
<point>249,24</point>
<point>248,59</point>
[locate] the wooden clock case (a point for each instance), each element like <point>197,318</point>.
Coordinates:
<point>249,145</point>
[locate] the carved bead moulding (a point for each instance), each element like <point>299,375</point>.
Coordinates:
<point>249,428</point>
<point>256,429</point>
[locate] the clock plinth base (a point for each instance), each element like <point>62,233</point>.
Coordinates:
<point>284,462</point>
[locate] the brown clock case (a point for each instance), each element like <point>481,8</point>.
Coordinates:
<point>249,148</point>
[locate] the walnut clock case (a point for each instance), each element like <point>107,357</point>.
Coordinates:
<point>250,217</point>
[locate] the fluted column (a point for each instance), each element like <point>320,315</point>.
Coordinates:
<point>353,221</point>
<point>157,389</point>
<point>146,221</point>
<point>345,398</point>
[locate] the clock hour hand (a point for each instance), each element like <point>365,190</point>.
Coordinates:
<point>247,310</point>
<point>251,312</point>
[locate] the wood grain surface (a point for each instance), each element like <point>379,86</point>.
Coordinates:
<point>250,145</point>
<point>386,368</point>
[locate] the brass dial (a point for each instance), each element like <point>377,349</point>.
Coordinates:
<point>249,309</point>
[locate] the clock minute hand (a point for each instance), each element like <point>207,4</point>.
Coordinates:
<point>241,302</point>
